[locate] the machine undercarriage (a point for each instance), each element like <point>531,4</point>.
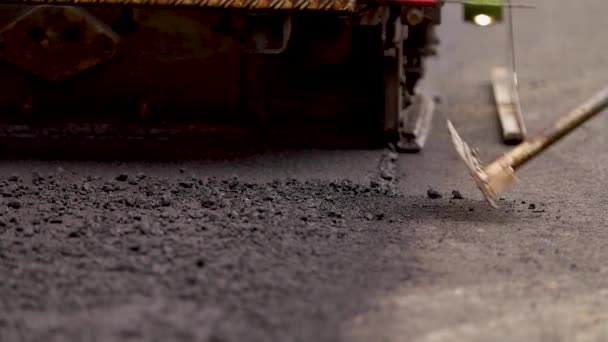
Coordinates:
<point>186,77</point>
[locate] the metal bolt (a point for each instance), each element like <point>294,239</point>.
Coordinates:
<point>414,16</point>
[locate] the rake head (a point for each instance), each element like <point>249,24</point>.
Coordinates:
<point>490,180</point>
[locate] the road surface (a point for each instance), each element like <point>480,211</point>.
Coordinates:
<point>334,246</point>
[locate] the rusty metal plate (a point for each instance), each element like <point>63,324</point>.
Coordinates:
<point>55,42</point>
<point>326,5</point>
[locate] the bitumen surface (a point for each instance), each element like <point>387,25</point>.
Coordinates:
<point>335,245</point>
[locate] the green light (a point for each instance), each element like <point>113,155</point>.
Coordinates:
<point>483,12</point>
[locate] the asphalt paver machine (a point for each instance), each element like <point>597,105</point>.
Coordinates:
<point>187,75</point>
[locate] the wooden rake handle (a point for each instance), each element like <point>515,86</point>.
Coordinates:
<point>534,145</point>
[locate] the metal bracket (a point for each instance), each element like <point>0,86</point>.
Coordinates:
<point>509,108</point>
<point>261,38</point>
<point>415,123</point>
<point>504,82</point>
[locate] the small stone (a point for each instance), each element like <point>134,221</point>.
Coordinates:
<point>369,216</point>
<point>73,234</point>
<point>456,194</point>
<point>200,263</point>
<point>379,216</point>
<point>334,214</point>
<point>387,176</point>
<point>28,231</point>
<point>166,201</point>
<point>532,206</point>
<point>122,177</point>
<point>13,178</point>
<point>207,203</point>
<point>434,194</point>
<point>186,185</point>
<point>14,204</point>
<point>37,179</point>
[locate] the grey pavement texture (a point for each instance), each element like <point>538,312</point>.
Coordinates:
<point>334,246</point>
